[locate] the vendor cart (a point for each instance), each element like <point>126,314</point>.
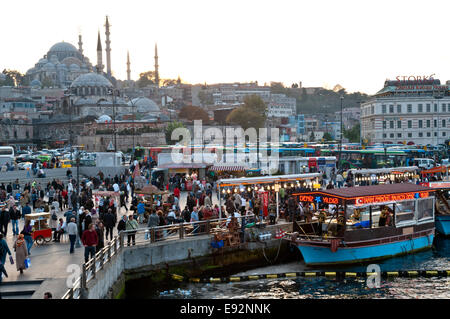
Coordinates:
<point>41,230</point>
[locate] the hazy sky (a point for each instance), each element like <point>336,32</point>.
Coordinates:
<point>357,44</point>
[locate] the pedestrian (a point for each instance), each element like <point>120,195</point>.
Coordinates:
<point>90,241</point>
<point>26,210</point>
<point>4,249</point>
<point>20,247</point>
<point>131,226</point>
<point>122,224</point>
<point>101,235</point>
<point>53,222</point>
<point>60,229</point>
<point>141,211</point>
<point>109,222</point>
<point>27,232</point>
<point>4,221</point>
<point>72,232</point>
<point>48,295</point>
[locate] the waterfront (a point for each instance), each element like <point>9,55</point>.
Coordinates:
<point>436,258</point>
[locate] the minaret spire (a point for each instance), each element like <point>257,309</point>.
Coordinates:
<point>99,55</point>
<point>156,66</point>
<point>108,48</point>
<point>128,67</point>
<point>80,44</point>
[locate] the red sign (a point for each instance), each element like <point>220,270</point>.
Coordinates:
<point>389,198</point>
<point>265,200</point>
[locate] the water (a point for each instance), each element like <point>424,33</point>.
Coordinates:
<point>437,258</point>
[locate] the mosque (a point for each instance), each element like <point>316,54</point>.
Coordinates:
<point>88,86</point>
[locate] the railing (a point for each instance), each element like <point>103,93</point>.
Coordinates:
<point>143,236</point>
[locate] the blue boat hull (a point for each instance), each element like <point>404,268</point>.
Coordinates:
<point>320,255</point>
<point>442,223</point>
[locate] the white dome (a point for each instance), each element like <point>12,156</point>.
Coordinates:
<point>144,105</point>
<point>63,47</point>
<point>36,83</point>
<point>104,118</point>
<point>91,79</point>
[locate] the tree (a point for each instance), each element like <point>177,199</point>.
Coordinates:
<point>169,82</point>
<point>205,98</point>
<point>192,113</point>
<point>13,78</point>
<point>47,82</point>
<point>251,114</point>
<point>311,137</point>
<point>169,129</point>
<point>353,134</point>
<point>327,136</point>
<point>146,79</point>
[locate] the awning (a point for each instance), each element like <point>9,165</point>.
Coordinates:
<point>437,169</point>
<point>226,167</point>
<point>182,165</point>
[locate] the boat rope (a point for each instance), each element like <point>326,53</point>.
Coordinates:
<point>278,252</point>
<point>312,274</point>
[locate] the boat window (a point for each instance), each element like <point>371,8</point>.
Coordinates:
<point>425,209</point>
<point>358,217</point>
<point>382,215</point>
<point>405,213</point>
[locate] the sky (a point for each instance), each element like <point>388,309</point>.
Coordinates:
<point>357,44</point>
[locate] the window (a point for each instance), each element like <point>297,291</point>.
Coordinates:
<point>409,134</point>
<point>425,210</point>
<point>420,108</point>
<point>443,134</point>
<point>428,123</point>
<point>391,109</point>
<point>399,108</point>
<point>391,124</point>
<point>391,135</point>
<point>420,124</point>
<point>405,213</point>
<point>384,124</point>
<point>399,135</point>
<point>435,123</point>
<point>399,124</point>
<point>443,123</point>
<point>420,134</point>
<point>409,124</point>
<point>383,109</point>
<point>428,108</point>
<point>435,107</point>
<point>428,134</point>
<point>435,133</point>
<point>444,108</point>
<point>409,107</point>
<point>384,135</point>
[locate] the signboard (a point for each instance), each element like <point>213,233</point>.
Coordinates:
<point>265,201</point>
<point>436,184</point>
<point>389,198</point>
<point>321,161</point>
<point>110,146</point>
<point>318,199</point>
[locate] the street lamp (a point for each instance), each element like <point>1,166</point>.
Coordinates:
<point>69,93</point>
<point>78,244</point>
<point>134,115</point>
<point>342,132</point>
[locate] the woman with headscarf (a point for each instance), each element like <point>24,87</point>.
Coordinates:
<point>21,253</point>
<point>27,231</point>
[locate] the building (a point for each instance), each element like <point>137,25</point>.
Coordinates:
<point>407,111</point>
<point>281,106</point>
<point>297,122</point>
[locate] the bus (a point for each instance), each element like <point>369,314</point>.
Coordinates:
<point>372,158</point>
<point>6,155</point>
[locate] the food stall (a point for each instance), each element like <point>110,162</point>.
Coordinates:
<point>41,230</point>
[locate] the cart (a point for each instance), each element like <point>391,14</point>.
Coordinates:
<point>41,230</point>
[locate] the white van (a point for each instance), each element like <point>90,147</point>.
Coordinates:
<point>425,163</point>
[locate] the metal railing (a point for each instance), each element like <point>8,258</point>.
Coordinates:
<point>143,236</point>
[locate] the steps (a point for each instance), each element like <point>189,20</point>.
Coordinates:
<point>19,289</point>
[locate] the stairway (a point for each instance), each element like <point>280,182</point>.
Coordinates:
<point>19,289</point>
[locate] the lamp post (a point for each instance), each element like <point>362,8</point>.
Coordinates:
<point>78,243</point>
<point>342,132</point>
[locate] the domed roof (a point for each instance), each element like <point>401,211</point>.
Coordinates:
<point>43,61</point>
<point>85,101</point>
<point>74,67</point>
<point>91,79</point>
<point>35,82</point>
<point>143,104</point>
<point>49,66</point>
<point>104,118</point>
<point>63,47</point>
<point>71,60</point>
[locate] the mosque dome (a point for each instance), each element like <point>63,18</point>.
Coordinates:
<point>104,118</point>
<point>74,68</point>
<point>35,83</point>
<point>143,104</point>
<point>91,79</point>
<point>63,47</point>
<point>49,67</point>
<point>71,60</point>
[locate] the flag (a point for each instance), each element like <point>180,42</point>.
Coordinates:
<point>280,234</point>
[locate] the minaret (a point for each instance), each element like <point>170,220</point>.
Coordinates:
<point>128,67</point>
<point>156,66</point>
<point>108,48</point>
<point>80,44</point>
<point>99,55</point>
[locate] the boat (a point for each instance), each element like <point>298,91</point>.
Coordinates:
<point>367,223</point>
<point>442,219</point>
